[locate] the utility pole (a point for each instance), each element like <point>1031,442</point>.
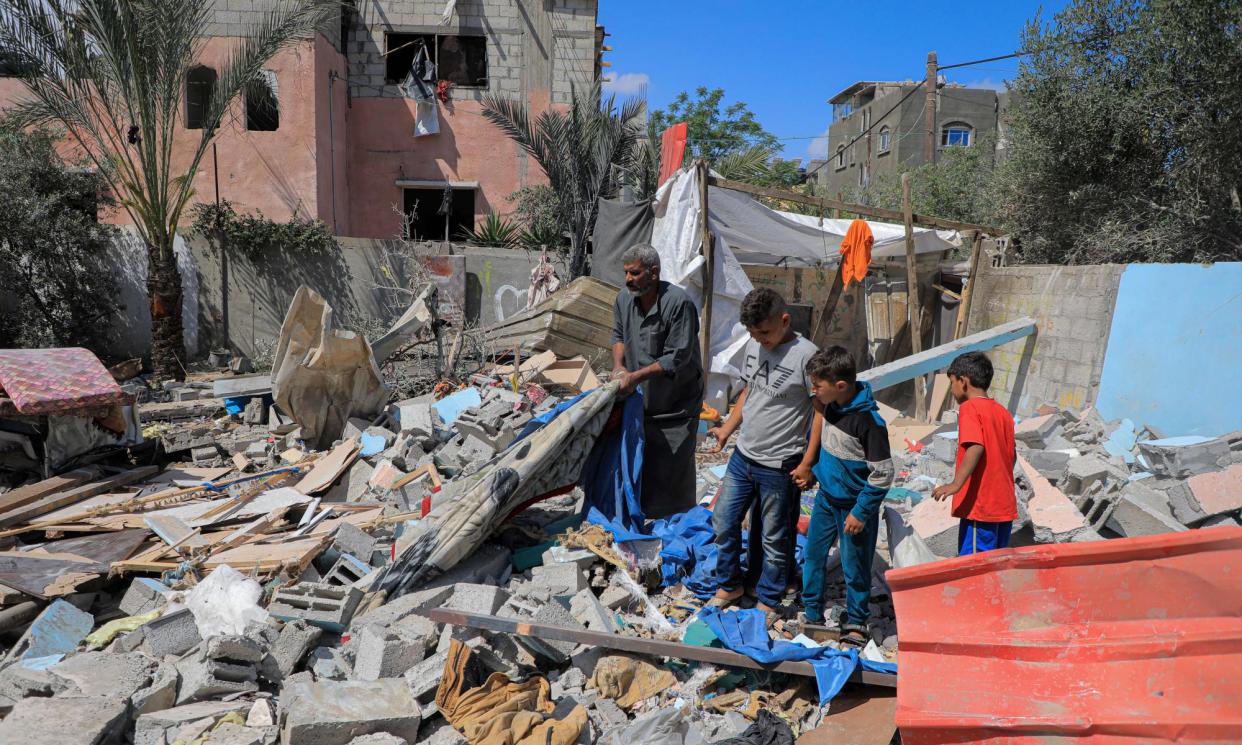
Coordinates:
<point>929,111</point>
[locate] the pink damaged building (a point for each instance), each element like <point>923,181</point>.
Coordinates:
<point>333,134</point>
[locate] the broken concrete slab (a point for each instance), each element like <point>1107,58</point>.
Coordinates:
<point>391,612</point>
<point>424,678</point>
<point>86,720</point>
<point>1050,463</point>
<point>1054,517</point>
<point>1182,457</point>
<point>105,673</point>
<point>334,713</point>
<point>553,613</point>
<point>1141,510</point>
<point>350,539</point>
<point>415,416</point>
<point>481,599</point>
<point>386,653</point>
<point>933,522</point>
<point>160,695</point>
<point>150,728</point>
<point>1217,493</point>
<point>295,640</point>
<point>236,648</point>
<point>203,678</point>
<point>381,738</point>
<point>559,579</point>
<point>1088,474</point>
<point>588,610</point>
<point>1036,432</point>
<point>354,486</point>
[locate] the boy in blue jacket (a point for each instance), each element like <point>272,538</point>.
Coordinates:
<point>855,471</point>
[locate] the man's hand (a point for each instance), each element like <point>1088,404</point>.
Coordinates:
<point>802,476</point>
<point>617,373</point>
<point>853,526</point>
<point>945,490</point>
<point>629,382</point>
<point>722,435</point>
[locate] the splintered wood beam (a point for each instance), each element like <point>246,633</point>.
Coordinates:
<point>937,358</point>
<point>637,645</point>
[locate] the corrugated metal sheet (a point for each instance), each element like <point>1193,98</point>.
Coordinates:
<point>1122,641</point>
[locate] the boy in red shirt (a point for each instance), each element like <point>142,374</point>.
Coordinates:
<point>983,482</point>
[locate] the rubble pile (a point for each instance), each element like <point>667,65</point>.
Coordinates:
<point>230,598</point>
<point>1081,478</point>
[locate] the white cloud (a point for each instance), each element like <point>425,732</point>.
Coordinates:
<point>988,83</point>
<point>628,84</point>
<point>818,149</point>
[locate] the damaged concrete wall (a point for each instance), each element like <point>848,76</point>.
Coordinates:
<point>1176,335</point>
<point>1061,365</point>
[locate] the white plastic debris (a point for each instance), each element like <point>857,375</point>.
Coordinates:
<point>225,602</point>
<point>651,614</point>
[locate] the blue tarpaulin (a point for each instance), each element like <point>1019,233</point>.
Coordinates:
<point>746,631</point>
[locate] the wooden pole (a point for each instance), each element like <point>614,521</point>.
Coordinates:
<point>914,309</point>
<point>824,322</point>
<point>709,268</point>
<point>963,303</point>
<point>929,111</point>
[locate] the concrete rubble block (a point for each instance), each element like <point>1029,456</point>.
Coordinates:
<point>104,673</point>
<point>326,606</point>
<point>1035,432</point>
<point>475,451</point>
<point>490,564</point>
<point>205,454</point>
<point>354,486</point>
<point>1054,517</point>
<point>350,539</point>
<point>561,555</point>
<point>150,729</point>
<point>480,599</point>
<point>933,521</point>
<point>554,613</point>
<point>399,608</point>
<point>1182,457</point>
<point>160,695</point>
<point>255,412</point>
<point>172,633</point>
<point>383,653</point>
<point>292,644</point>
<point>334,713</point>
<point>944,447</point>
<point>93,720</point>
<point>18,682</point>
<point>328,663</point>
<point>347,571</point>
<point>354,428</point>
<point>380,738</point>
<point>559,579</point>
<point>203,678</point>
<point>261,714</point>
<point>1050,463</point>
<point>615,596</point>
<point>424,678</point>
<point>1218,492</point>
<point>588,610</point>
<point>57,630</point>
<point>143,596</point>
<point>1141,510</point>
<point>1087,474</point>
<point>256,449</point>
<point>1097,509</point>
<point>236,648</point>
<point>440,732</point>
<point>415,417</point>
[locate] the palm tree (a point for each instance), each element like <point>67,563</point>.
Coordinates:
<point>112,74</point>
<point>584,150</point>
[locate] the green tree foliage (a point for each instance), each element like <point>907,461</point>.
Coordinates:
<point>538,211</point>
<point>960,185</point>
<point>583,150</point>
<point>56,289</point>
<point>728,137</point>
<point>1126,134</point>
<point>252,234</point>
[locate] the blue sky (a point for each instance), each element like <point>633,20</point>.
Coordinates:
<point>786,58</point>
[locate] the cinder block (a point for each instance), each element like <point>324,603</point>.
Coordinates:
<point>326,606</point>
<point>553,613</point>
<point>588,610</point>
<point>1050,463</point>
<point>424,678</point>
<point>1087,474</point>
<point>172,633</point>
<point>1141,510</point>
<point>559,579</point>
<point>203,678</point>
<point>347,571</point>
<point>143,596</point>
<point>481,599</point>
<point>234,648</point>
<point>415,416</point>
<point>383,653</point>
<point>350,539</point>
<point>393,611</point>
<point>295,640</point>
<point>334,713</point>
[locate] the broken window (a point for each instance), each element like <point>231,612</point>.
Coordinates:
<point>955,134</point>
<point>459,59</point>
<point>438,213</point>
<point>200,84</point>
<point>262,104</point>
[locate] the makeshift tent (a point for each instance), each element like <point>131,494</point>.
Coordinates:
<point>748,232</point>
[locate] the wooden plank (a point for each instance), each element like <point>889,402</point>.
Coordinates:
<point>914,310</point>
<point>709,266</point>
<point>939,396</point>
<point>655,647</point>
<point>173,531</point>
<point>824,322</point>
<point>858,209</point>
<point>235,386</point>
<point>61,499</point>
<point>968,290</point>
<point>937,358</point>
<point>24,495</point>
<point>329,468</point>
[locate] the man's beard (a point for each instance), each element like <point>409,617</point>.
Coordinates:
<point>635,290</point>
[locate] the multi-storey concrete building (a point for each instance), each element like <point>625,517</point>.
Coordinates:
<point>344,145</point>
<point>869,137</point>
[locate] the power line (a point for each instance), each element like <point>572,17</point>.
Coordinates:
<point>863,133</point>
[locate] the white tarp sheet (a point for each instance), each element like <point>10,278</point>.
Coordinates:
<point>747,231</point>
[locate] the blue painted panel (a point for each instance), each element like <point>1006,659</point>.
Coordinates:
<point>1175,349</point>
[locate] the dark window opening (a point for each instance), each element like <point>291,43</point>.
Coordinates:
<point>433,215</point>
<point>200,84</point>
<point>262,104</point>
<point>461,60</point>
